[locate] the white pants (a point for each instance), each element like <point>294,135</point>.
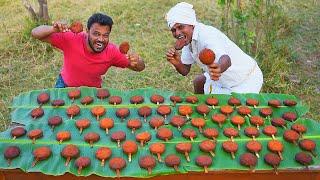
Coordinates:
<point>252,84</point>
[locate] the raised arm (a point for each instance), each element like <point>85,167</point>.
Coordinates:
<point>136,62</point>
<point>44,31</point>
<point>174,57</point>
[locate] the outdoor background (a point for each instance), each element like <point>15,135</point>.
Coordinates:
<point>283,36</point>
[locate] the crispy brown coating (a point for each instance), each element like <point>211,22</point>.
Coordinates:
<point>76,27</point>
<point>278,122</point>
<point>251,132</point>
<point>248,159</point>
<point>147,162</point>
<point>184,147</point>
<point>129,147</point>
<point>211,101</point>
<point>226,109</point>
<point>11,152</point>
<point>156,122</point>
<point>234,101</point>
<point>124,47</point>
<point>41,153</point>
<point>63,136</point>
<point>257,121</point>
<point>134,124</point>
<point>198,122</point>
<point>192,99</point>
<point>177,121</point>
<point>74,94</point>
<point>143,137</point>
<point>264,112</point>
<point>164,110</point>
<point>91,137</point>
<point>307,144</point>
<point>272,159</point>
<point>106,123</point>
<point>274,103</point>
<point>136,100</point>
<point>189,133</point>
<point>230,146</point>
<point>103,93</point>
<point>122,112</point>
<point>69,152</point>
<point>289,102</point>
<point>219,118</point>
<point>57,102</point>
<point>35,134</point>
<point>203,109</point>
<point>115,100</point>
<point>43,98</point>
<point>54,121</point>
<point>157,148</point>
<point>73,110</point>
<point>175,99</point>
<point>244,110</point>
<point>98,111</point>
<point>164,134</point>
<point>289,116</point>
<point>252,102</point>
<point>237,120</point>
<point>172,160</point>
<point>18,132</point>
<point>118,135</point>
<point>82,162</point>
<point>37,113</point>
<point>207,56</point>
<point>144,111</point>
<point>185,110</point>
<point>291,136</point>
<point>254,146</point>
<point>157,99</point>
<point>86,100</point>
<point>204,161</point>
<point>207,146</point>
<point>231,132</point>
<point>303,158</point>
<point>270,130</point>
<point>117,163</point>
<point>275,146</point>
<point>103,153</point>
<point>299,128</point>
<point>211,133</point>
<point>82,124</point>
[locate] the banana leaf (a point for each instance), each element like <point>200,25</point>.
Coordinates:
<point>54,165</point>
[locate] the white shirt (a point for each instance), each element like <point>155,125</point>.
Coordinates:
<point>209,37</point>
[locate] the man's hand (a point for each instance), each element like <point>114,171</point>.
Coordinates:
<point>215,71</point>
<point>136,63</point>
<point>60,27</point>
<point>173,56</point>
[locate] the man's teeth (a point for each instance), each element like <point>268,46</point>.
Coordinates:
<point>180,37</point>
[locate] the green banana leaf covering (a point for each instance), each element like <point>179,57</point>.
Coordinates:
<point>55,164</point>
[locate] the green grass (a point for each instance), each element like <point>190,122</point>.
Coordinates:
<point>27,64</point>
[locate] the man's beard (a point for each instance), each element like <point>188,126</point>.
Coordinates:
<point>93,48</point>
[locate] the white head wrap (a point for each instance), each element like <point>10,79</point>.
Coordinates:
<point>181,13</point>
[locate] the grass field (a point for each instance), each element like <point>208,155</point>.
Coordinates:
<point>27,64</point>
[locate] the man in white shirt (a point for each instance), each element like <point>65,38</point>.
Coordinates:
<point>232,71</point>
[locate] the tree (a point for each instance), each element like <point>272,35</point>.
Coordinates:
<point>42,15</point>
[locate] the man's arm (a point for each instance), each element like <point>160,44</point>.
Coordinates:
<point>174,58</point>
<point>136,62</point>
<point>216,69</point>
<point>44,31</point>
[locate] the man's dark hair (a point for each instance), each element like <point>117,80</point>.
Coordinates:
<point>100,18</point>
